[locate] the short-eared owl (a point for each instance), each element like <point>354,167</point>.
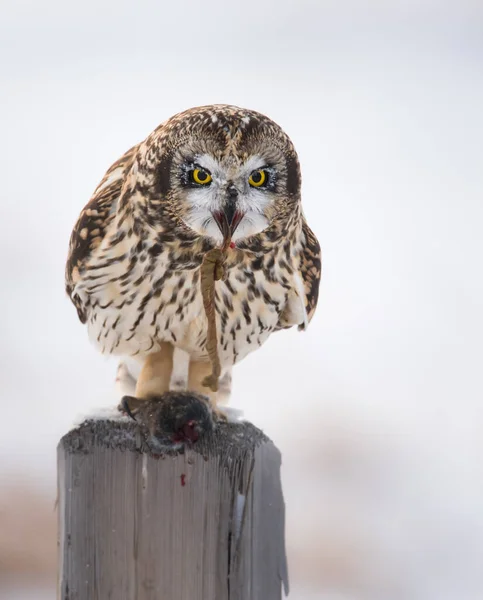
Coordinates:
<point>133,270</point>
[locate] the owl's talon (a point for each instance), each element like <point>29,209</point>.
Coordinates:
<point>124,407</point>
<point>130,405</point>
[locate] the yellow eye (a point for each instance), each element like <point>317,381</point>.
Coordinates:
<point>201,176</point>
<point>258,178</point>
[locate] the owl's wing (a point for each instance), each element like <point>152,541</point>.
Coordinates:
<point>302,298</point>
<point>310,271</point>
<point>92,224</point>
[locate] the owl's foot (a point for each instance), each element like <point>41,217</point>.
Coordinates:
<point>171,420</point>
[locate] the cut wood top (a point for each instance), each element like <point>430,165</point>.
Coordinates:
<point>233,439</point>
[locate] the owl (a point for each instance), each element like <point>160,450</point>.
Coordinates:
<point>133,268</point>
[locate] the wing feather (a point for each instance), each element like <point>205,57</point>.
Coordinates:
<point>310,270</point>
<point>92,224</point>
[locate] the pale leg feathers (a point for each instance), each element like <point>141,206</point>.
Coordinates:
<point>155,375</point>
<point>224,387</point>
<point>125,381</point>
<point>169,369</point>
<point>179,375</point>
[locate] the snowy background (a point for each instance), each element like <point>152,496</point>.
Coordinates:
<point>378,408</point>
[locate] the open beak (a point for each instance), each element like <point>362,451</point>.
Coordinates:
<point>229,218</point>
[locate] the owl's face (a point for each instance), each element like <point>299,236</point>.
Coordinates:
<point>212,188</point>
<point>221,162</point>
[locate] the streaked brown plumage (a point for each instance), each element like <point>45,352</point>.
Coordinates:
<point>136,250</point>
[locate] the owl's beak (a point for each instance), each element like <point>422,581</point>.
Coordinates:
<point>230,215</point>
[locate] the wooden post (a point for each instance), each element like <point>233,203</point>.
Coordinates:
<point>204,525</point>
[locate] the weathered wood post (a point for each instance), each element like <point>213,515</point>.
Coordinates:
<point>204,525</point>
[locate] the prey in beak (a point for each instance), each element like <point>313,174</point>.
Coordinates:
<point>229,218</point>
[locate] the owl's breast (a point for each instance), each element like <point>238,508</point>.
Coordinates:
<point>248,311</point>
<point>131,312</point>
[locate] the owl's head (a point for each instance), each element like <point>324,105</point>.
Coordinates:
<point>215,162</point>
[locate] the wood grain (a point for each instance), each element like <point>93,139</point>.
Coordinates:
<point>207,524</point>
